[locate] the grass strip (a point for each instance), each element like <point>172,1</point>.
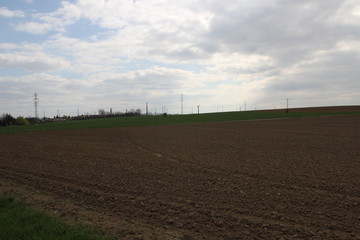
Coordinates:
<point>20,222</point>
<point>162,120</point>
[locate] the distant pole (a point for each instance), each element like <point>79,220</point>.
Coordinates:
<point>58,113</point>
<point>147,112</point>
<point>78,112</point>
<point>198,106</point>
<point>182,100</point>
<point>36,102</point>
<point>245,105</point>
<point>44,114</point>
<point>287,105</point>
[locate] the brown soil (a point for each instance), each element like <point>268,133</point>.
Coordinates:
<point>271,179</point>
<point>328,109</point>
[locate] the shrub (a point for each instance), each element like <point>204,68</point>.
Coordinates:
<point>22,121</point>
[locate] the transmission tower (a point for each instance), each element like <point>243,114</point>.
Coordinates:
<point>36,102</point>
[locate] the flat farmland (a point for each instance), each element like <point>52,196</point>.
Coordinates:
<point>265,179</point>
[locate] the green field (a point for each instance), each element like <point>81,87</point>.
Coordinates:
<point>17,221</point>
<point>160,120</point>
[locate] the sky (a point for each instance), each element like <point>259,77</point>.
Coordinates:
<point>86,55</point>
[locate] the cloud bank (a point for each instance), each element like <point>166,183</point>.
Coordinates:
<point>121,54</point>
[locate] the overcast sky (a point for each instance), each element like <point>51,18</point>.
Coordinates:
<point>120,54</point>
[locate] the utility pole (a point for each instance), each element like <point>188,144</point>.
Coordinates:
<point>287,105</point>
<point>245,105</point>
<point>198,106</point>
<point>36,102</point>
<point>78,112</point>
<point>147,112</point>
<point>182,100</point>
<point>58,113</point>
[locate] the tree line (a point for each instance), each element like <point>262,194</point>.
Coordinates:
<point>6,119</point>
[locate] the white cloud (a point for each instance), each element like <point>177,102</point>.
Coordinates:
<point>55,21</point>
<point>7,46</point>
<point>160,31</point>
<point>30,61</point>
<point>239,65</point>
<point>30,47</point>
<point>34,27</point>
<point>347,14</point>
<point>5,12</point>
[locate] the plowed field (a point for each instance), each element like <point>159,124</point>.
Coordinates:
<point>268,179</point>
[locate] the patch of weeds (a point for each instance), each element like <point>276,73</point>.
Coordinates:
<point>18,221</point>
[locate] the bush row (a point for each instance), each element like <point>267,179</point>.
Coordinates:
<point>6,119</point>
